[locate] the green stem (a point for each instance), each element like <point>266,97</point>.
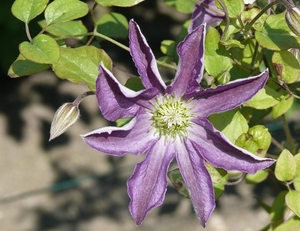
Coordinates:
<point>288,134</point>
<point>78,100</point>
<point>28,32</point>
<point>250,24</point>
<point>112,41</point>
<point>227,19</point>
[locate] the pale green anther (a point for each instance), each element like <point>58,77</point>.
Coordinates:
<point>171,116</point>
<point>65,116</point>
<point>292,17</point>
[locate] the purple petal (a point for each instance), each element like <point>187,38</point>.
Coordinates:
<point>197,180</point>
<point>217,150</point>
<point>190,65</point>
<point>117,101</point>
<point>203,15</point>
<point>134,138</point>
<point>229,96</point>
<point>148,184</point>
<point>144,59</point>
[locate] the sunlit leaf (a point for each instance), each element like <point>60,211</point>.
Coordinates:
<point>276,35</point>
<point>122,3</point>
<point>234,8</point>
<point>26,10</point>
<point>80,65</point>
<point>60,11</point>
<point>43,49</point>
<point>287,66</point>
<point>65,29</point>
<point>231,123</point>
<point>265,98</point>
<point>292,200</point>
<point>216,56</point>
<point>258,177</point>
<point>285,168</point>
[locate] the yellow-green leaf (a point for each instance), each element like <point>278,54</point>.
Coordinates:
<point>21,67</point>
<point>43,49</point>
<point>285,168</point>
<point>80,65</point>
<point>26,10</point>
<point>60,11</point>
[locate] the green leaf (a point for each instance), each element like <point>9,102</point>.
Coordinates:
<point>287,66</point>
<point>21,67</point>
<point>232,43</point>
<point>234,8</point>
<point>123,121</point>
<point>296,181</point>
<point>219,178</point>
<point>265,98</point>
<point>278,207</point>
<point>122,3</point>
<point>258,177</point>
<point>113,25</point>
<point>285,168</point>
<point>60,11</point>
<point>297,159</point>
<point>232,124</point>
<point>26,10</point>
<point>216,56</point>
<point>290,225</point>
<point>135,83</point>
<point>80,65</point>
<point>183,6</point>
<point>276,35</point>
<point>43,49</point>
<point>65,29</point>
<point>248,53</point>
<point>292,200</point>
<point>178,182</point>
<point>283,106</point>
<point>168,47</point>
<point>257,140</point>
<point>248,15</point>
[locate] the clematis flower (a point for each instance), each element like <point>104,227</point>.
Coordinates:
<point>202,14</point>
<point>171,122</point>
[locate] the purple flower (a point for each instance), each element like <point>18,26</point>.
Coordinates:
<point>203,15</point>
<point>171,122</point>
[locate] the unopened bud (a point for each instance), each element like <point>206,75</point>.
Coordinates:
<point>292,17</point>
<point>65,116</point>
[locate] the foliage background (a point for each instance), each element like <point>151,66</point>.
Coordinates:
<point>97,198</point>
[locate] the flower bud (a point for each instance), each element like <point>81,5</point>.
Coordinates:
<point>65,116</point>
<point>292,17</point>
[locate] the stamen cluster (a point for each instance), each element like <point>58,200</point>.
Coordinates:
<point>171,116</point>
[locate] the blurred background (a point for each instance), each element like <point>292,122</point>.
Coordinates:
<point>64,185</point>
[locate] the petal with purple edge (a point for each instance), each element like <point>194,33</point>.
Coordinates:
<point>144,59</point>
<point>134,137</point>
<point>190,66</point>
<point>115,100</point>
<point>148,184</point>
<point>227,97</point>
<point>197,180</point>
<point>217,150</point>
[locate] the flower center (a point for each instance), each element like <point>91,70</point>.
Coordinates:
<point>171,116</point>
